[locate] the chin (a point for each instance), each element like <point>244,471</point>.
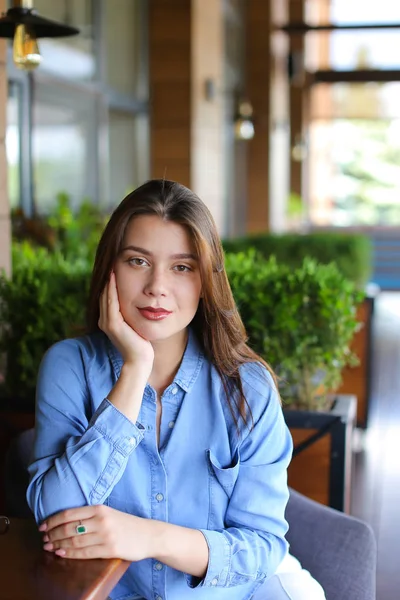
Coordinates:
<point>152,332</point>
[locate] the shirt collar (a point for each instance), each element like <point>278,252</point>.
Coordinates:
<point>189,368</point>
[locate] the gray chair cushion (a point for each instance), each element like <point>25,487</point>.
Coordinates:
<point>338,550</point>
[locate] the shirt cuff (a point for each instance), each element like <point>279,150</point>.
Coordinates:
<point>116,427</point>
<point>219,561</point>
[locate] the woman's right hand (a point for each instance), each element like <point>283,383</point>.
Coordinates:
<point>135,350</point>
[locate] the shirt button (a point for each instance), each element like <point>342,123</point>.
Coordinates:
<point>158,566</point>
<point>159,497</point>
<point>132,441</point>
<point>171,424</point>
<point>175,390</point>
<point>214,581</point>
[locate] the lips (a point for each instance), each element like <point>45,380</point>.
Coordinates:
<point>154,314</point>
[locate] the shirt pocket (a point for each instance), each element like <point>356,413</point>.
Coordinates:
<point>221,483</point>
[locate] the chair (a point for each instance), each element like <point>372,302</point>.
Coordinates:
<point>338,550</point>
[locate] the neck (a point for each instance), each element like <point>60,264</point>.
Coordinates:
<point>167,358</point>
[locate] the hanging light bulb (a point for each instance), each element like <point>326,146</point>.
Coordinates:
<point>25,48</point>
<point>244,125</point>
<point>23,24</point>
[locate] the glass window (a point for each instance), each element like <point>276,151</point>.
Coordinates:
<point>128,154</point>
<point>124,47</point>
<point>88,139</point>
<point>63,137</point>
<point>364,11</point>
<point>13,149</point>
<point>353,49</point>
<point>70,56</point>
<point>379,49</point>
<point>354,173</point>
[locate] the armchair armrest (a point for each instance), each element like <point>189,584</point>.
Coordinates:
<point>338,550</point>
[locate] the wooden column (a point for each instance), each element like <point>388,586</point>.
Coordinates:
<point>170,29</point>
<point>5,224</point>
<point>258,68</point>
<point>186,49</point>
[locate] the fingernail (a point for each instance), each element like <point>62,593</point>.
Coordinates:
<point>48,547</point>
<point>60,552</point>
<point>46,538</point>
<point>43,527</point>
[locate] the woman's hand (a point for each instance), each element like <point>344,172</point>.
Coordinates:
<point>109,534</point>
<point>134,349</point>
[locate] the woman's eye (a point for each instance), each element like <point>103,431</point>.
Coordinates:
<point>183,268</point>
<point>139,262</point>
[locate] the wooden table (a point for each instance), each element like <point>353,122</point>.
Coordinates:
<point>27,572</point>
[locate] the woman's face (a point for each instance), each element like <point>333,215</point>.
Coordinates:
<point>158,278</point>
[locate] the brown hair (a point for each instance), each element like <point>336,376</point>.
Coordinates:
<point>217,322</point>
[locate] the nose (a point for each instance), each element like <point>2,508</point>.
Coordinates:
<point>156,284</point>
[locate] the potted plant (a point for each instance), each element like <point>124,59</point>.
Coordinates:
<point>302,321</point>
<point>352,253</point>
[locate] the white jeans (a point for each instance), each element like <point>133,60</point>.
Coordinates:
<point>290,582</point>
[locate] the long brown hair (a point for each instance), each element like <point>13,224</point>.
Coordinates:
<point>217,322</point>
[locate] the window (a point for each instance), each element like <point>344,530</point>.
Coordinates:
<point>353,49</point>
<point>84,109</point>
<point>354,154</point>
<point>128,152</point>
<point>353,121</point>
<point>72,56</point>
<point>63,134</point>
<point>125,40</point>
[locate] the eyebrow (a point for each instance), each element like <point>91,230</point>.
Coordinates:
<point>182,256</point>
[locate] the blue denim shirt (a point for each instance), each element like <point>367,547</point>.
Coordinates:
<point>203,475</point>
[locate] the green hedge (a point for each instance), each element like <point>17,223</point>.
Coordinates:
<point>351,252</point>
<point>45,301</point>
<point>300,320</point>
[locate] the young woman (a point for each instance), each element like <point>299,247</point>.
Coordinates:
<point>159,435</point>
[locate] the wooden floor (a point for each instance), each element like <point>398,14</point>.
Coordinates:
<point>376,481</point>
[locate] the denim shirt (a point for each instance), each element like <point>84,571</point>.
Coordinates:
<point>203,474</point>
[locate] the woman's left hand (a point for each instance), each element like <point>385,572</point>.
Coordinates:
<point>109,533</point>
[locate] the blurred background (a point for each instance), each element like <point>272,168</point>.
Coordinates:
<point>284,117</point>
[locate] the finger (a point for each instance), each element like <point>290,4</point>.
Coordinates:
<point>103,316</point>
<point>72,515</point>
<point>69,530</point>
<point>77,541</point>
<point>98,551</point>
<point>113,300</point>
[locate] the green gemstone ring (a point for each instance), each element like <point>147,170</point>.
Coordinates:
<point>80,528</point>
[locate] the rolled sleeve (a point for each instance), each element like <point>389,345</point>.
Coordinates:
<point>116,427</point>
<point>122,436</point>
<point>219,561</point>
